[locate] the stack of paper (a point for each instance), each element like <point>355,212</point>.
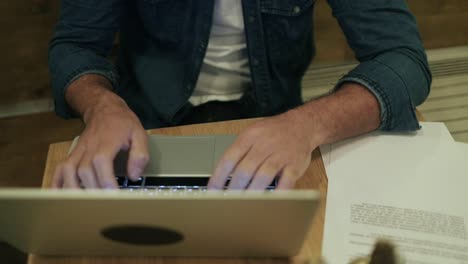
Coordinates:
<point>411,189</point>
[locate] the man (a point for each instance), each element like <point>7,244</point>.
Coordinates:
<point>183,61</point>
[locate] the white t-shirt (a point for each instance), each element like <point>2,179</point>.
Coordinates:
<point>225,73</point>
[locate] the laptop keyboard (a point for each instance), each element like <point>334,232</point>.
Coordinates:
<point>172,183</point>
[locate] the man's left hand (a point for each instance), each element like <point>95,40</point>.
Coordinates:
<point>278,146</point>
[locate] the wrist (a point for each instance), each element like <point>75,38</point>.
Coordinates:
<point>352,110</point>
<point>106,103</point>
<point>311,126</point>
<point>92,94</point>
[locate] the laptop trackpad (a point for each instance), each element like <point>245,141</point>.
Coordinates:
<point>175,156</point>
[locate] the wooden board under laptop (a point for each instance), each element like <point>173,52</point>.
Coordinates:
<point>314,178</point>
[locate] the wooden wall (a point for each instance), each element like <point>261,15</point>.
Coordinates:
<point>26,27</point>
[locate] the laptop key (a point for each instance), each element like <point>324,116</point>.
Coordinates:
<point>176,181</point>
<point>178,188</point>
<point>135,184</point>
<point>121,181</point>
<point>176,184</point>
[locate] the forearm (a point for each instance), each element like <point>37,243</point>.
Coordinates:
<point>352,110</point>
<point>90,93</point>
<point>393,64</point>
<point>81,42</point>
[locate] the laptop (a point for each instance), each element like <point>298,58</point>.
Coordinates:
<point>162,217</point>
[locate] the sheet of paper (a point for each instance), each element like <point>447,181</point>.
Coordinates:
<point>410,190</point>
<point>434,130</point>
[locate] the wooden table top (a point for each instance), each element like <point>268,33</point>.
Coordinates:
<point>314,178</point>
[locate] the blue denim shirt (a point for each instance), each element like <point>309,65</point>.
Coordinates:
<point>163,43</point>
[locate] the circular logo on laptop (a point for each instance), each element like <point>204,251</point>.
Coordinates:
<point>142,235</point>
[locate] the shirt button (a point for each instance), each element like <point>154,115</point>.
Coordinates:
<point>296,10</point>
<point>201,48</point>
<point>189,87</point>
<point>263,105</point>
<point>251,19</point>
<point>255,62</point>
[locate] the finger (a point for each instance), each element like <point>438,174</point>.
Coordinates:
<point>70,179</point>
<point>246,169</point>
<point>288,179</point>
<point>139,155</point>
<point>266,174</point>
<point>227,163</point>
<point>103,163</point>
<point>86,173</point>
<point>65,173</point>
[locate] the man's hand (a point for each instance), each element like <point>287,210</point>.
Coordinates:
<point>110,127</point>
<point>281,146</point>
<point>278,146</point>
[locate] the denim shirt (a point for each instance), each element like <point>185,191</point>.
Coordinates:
<point>163,43</point>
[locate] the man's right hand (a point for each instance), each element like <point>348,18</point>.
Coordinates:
<point>110,127</point>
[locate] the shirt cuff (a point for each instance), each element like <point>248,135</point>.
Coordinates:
<point>61,106</point>
<point>397,112</point>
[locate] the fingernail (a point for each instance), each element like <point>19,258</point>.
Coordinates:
<point>109,187</point>
<point>216,187</point>
<point>135,173</point>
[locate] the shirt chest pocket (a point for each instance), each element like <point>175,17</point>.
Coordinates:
<point>164,20</point>
<point>287,26</point>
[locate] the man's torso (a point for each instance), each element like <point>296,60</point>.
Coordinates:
<point>164,43</point>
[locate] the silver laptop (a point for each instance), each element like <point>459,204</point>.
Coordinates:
<point>156,220</point>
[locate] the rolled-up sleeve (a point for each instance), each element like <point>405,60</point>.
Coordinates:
<point>393,64</point>
<point>81,43</point>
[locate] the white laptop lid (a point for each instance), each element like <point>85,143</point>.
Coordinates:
<point>165,223</point>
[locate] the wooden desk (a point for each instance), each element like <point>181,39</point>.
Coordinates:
<point>315,178</point>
